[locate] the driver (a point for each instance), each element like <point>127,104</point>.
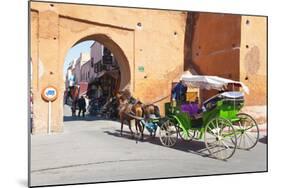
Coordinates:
<point>179,92</point>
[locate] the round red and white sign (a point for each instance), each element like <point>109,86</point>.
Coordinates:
<point>49,93</point>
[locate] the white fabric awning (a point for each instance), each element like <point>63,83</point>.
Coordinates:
<point>210,82</point>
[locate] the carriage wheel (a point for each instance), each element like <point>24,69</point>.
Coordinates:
<point>247,131</point>
<point>168,134</point>
<point>187,136</point>
<point>220,138</point>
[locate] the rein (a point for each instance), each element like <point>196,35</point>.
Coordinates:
<point>157,101</point>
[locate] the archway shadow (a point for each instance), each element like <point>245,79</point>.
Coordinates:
<point>86,118</point>
<point>194,147</point>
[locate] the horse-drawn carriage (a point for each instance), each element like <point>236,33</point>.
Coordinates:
<point>218,121</point>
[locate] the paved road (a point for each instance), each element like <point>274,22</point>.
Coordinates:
<point>92,151</point>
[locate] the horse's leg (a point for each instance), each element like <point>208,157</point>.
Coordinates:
<point>154,133</point>
<point>138,124</point>
<point>122,122</point>
<point>142,130</point>
<point>141,126</point>
<point>132,133</point>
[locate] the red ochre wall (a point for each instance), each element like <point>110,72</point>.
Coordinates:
<point>216,45</point>
<point>253,58</point>
<point>230,46</point>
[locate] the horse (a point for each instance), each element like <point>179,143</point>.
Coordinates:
<point>151,109</point>
<point>129,107</point>
<point>74,95</point>
<point>148,110</point>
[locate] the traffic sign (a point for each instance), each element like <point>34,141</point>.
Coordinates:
<point>49,93</point>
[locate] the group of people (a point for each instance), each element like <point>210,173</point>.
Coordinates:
<point>82,104</point>
<point>178,95</point>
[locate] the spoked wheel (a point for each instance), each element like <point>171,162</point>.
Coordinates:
<point>220,138</point>
<point>168,134</point>
<point>247,131</point>
<point>187,136</point>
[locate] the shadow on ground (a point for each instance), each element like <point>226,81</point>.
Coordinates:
<point>263,140</point>
<point>195,147</point>
<point>86,118</point>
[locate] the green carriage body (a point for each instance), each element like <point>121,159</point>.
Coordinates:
<point>222,107</point>
<point>219,121</point>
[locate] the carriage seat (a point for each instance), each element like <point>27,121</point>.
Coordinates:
<point>211,103</point>
<point>192,109</point>
<point>233,95</point>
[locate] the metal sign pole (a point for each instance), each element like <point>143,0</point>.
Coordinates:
<point>49,94</point>
<point>49,119</point>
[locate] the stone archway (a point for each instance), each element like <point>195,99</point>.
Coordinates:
<point>149,51</point>
<point>52,49</point>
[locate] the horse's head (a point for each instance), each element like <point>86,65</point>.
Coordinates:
<point>123,95</point>
<point>151,109</point>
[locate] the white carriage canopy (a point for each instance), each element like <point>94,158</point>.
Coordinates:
<point>210,82</point>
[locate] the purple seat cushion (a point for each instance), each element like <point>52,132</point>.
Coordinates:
<point>190,108</point>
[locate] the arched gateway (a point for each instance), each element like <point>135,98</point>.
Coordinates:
<point>147,63</point>
<point>118,53</point>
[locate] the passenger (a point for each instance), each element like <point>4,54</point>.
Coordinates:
<point>199,106</point>
<point>194,109</point>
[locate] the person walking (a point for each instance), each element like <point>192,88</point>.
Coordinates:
<point>81,106</point>
<point>87,100</point>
